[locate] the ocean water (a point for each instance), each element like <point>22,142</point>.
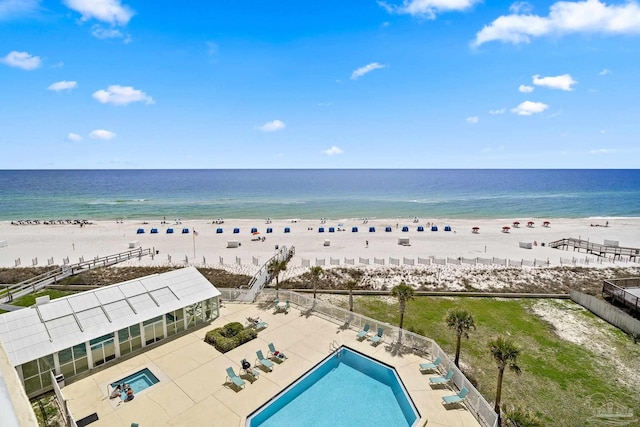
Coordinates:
<point>312,194</point>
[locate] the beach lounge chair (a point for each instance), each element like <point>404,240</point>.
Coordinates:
<point>264,362</point>
<point>377,337</point>
<point>185,230</point>
<point>387,229</point>
<point>169,230</point>
<point>405,229</point>
<point>431,366</point>
<point>363,332</point>
<point>442,380</point>
<point>269,230</point>
<point>140,231</point>
<point>219,230</point>
<point>236,230</point>
<point>275,353</point>
<point>234,378</point>
<point>154,231</point>
<point>456,398</point>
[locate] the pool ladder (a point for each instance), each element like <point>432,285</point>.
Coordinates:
<point>334,347</point>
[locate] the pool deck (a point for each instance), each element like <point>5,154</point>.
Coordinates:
<point>192,390</point>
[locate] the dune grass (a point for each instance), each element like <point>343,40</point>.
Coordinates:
<point>562,382</point>
<point>29,300</point>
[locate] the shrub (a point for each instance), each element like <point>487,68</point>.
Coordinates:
<point>229,336</point>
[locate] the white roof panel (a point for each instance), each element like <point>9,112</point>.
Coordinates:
<point>26,337</point>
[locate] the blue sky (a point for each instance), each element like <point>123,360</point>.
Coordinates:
<point>113,84</point>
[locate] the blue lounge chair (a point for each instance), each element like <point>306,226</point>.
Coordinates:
<point>140,231</point>
<point>387,229</point>
<point>420,228</point>
<point>456,398</point>
<point>377,337</point>
<point>354,229</point>
<point>372,229</point>
<point>431,366</point>
<point>236,230</point>
<point>405,229</point>
<point>363,332</point>
<point>275,353</point>
<point>234,378</point>
<point>269,230</point>
<point>264,362</point>
<point>219,230</point>
<point>154,231</point>
<point>321,230</point>
<point>169,230</point>
<point>185,230</point>
<point>434,228</point>
<point>287,230</point>
<point>442,380</point>
<point>447,228</point>
<point>332,230</point>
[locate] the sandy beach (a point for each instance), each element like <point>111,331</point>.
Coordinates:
<point>55,242</point>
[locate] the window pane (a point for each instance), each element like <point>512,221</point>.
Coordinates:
<point>123,334</point>
<point>30,369</point>
<point>150,321</point>
<point>46,363</point>
<point>136,343</point>
<point>102,338</point>
<point>135,330</point>
<point>79,351</point>
<point>46,379</point>
<point>125,348</point>
<point>65,356</point>
<point>32,385</point>
<point>67,370</point>
<point>82,365</point>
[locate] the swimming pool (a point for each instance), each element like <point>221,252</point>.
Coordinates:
<point>138,381</point>
<point>346,388</point>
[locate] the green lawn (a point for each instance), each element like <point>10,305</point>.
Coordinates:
<point>561,382</point>
<point>29,300</point>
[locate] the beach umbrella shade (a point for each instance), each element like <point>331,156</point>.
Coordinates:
<point>530,223</point>
<point>475,229</point>
<point>506,228</point>
<point>516,223</point>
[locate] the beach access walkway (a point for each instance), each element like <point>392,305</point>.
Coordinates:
<point>36,283</point>
<point>596,249</point>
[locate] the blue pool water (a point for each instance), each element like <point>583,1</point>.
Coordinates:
<point>347,389</point>
<point>138,381</point>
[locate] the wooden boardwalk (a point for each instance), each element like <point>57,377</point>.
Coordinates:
<point>624,291</point>
<point>596,249</point>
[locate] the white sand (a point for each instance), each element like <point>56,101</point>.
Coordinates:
<point>26,242</point>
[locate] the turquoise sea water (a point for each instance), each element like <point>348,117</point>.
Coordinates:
<point>311,194</point>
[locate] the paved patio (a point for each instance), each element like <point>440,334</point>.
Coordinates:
<point>192,389</point>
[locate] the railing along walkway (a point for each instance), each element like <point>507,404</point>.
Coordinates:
<point>38,282</point>
<point>596,248</point>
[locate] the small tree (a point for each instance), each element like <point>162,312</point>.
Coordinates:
<point>505,354</point>
<point>316,273</point>
<point>461,321</point>
<point>351,285</point>
<point>404,293</point>
<point>275,267</point>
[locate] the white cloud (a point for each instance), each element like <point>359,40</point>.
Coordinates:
<point>528,108</point>
<point>121,95</point>
<point>63,85</point>
<point>498,111</point>
<point>565,17</point>
<point>525,89</point>
<point>102,134</point>
<point>106,33</point>
<point>366,69</point>
<point>272,126</point>
<point>23,60</point>
<point>602,151</point>
<point>520,7</point>
<point>109,11</point>
<point>563,82</point>
<point>10,8</point>
<point>605,72</point>
<point>74,137</point>
<point>427,8</point>
<point>473,120</point>
<point>333,150</point>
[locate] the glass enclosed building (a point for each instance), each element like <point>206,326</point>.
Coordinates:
<point>75,334</point>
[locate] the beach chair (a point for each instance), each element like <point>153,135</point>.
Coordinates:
<point>363,332</point>
<point>431,366</point>
<point>442,380</point>
<point>275,353</point>
<point>377,337</point>
<point>264,362</point>
<point>456,398</point>
<point>234,378</point>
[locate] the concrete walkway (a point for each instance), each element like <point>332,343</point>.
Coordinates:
<point>193,391</point>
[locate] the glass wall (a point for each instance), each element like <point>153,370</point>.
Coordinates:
<point>73,360</point>
<point>36,374</point>
<point>153,330</point>
<point>102,349</point>
<point>175,322</point>
<point>129,339</point>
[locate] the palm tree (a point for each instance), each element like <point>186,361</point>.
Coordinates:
<point>351,285</point>
<point>316,273</point>
<point>505,353</point>
<point>460,321</point>
<point>275,267</point>
<point>404,293</point>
